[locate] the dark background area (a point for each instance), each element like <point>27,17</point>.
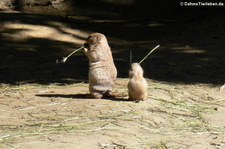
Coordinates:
<point>191,39</point>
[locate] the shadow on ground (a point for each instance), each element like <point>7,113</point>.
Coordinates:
<point>192,50</point>
<point>81,96</point>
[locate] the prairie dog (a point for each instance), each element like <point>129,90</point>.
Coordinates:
<point>222,88</point>
<point>137,85</point>
<point>102,70</point>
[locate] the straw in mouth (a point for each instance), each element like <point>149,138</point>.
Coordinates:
<point>149,54</point>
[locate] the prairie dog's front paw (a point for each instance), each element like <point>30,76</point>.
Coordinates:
<point>85,50</point>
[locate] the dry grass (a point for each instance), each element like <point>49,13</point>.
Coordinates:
<point>166,118</point>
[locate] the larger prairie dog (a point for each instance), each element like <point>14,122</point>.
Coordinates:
<point>102,70</point>
<point>137,85</point>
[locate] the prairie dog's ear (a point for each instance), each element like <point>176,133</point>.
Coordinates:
<point>99,37</point>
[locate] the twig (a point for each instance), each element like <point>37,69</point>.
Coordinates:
<point>5,136</point>
<point>65,58</point>
<point>130,57</point>
<point>70,119</point>
<point>119,145</point>
<point>149,54</point>
<point>40,129</point>
<point>34,107</point>
<point>107,145</point>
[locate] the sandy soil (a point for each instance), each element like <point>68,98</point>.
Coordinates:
<point>46,105</point>
<point>53,116</point>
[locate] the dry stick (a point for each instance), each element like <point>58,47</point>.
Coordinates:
<point>65,58</point>
<point>34,107</point>
<point>130,57</point>
<point>148,54</point>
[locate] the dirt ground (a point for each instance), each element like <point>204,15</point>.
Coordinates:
<point>46,105</point>
<point>53,116</point>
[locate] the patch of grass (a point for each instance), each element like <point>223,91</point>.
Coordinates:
<point>41,130</point>
<point>185,115</point>
<point>121,91</point>
<point>161,145</point>
<point>195,125</point>
<point>49,125</point>
<point>196,109</point>
<point>8,140</point>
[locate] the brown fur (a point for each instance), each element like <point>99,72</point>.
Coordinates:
<point>137,85</point>
<point>222,88</point>
<point>102,71</point>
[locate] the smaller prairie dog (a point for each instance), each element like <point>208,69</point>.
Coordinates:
<point>137,85</point>
<point>222,88</point>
